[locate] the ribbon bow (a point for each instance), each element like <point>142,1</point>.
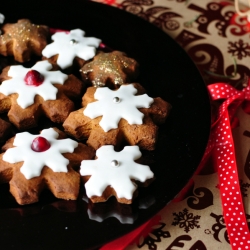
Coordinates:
<point>221,148</point>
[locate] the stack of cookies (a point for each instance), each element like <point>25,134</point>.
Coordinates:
<point>99,117</point>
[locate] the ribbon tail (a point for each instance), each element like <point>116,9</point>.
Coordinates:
<point>233,208</point>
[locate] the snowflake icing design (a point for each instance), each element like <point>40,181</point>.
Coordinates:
<point>186,220</point>
<point>69,45</point>
<point>103,173</point>
<point>239,49</point>
<point>26,93</point>
<point>114,105</point>
<point>35,161</point>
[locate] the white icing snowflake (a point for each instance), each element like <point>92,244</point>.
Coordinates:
<point>26,93</point>
<point>35,161</point>
<point>69,45</point>
<point>1,18</point>
<point>114,105</point>
<point>115,169</point>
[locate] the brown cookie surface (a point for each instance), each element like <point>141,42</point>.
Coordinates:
<point>23,39</point>
<point>114,173</point>
<point>110,69</point>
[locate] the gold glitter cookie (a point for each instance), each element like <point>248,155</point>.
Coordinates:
<point>23,39</point>
<point>110,69</point>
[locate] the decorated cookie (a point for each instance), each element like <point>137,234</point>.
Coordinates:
<point>114,174</point>
<point>110,117</point>
<point>110,69</point>
<point>23,39</point>
<point>27,93</point>
<point>32,163</point>
<point>69,45</point>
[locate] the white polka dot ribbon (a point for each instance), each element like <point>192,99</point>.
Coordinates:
<point>221,146</point>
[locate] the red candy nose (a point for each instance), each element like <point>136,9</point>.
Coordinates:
<point>33,78</point>
<point>40,144</point>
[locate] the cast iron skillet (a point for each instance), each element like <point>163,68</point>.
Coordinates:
<point>165,71</point>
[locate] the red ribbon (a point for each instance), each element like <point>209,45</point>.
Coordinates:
<point>221,146</point>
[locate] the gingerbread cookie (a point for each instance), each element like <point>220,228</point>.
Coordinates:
<point>114,174</point>
<point>110,69</point>
<point>32,163</point>
<point>23,39</point>
<point>110,117</point>
<point>66,46</point>
<point>26,94</point>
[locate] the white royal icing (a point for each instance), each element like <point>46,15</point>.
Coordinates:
<point>69,45</point>
<point>1,19</point>
<point>112,109</point>
<point>35,161</point>
<point>26,93</point>
<point>103,174</point>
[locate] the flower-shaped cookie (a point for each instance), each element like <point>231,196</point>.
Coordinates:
<point>31,163</point>
<point>23,39</point>
<point>115,105</point>
<point>70,45</point>
<point>109,117</point>
<point>114,174</point>
<point>110,69</point>
<point>26,94</point>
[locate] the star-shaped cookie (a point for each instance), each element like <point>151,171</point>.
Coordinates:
<point>23,39</point>
<point>55,168</point>
<point>67,46</point>
<point>113,123</point>
<point>114,173</point>
<point>110,69</point>
<point>26,103</point>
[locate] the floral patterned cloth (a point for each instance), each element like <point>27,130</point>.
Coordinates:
<point>195,220</point>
